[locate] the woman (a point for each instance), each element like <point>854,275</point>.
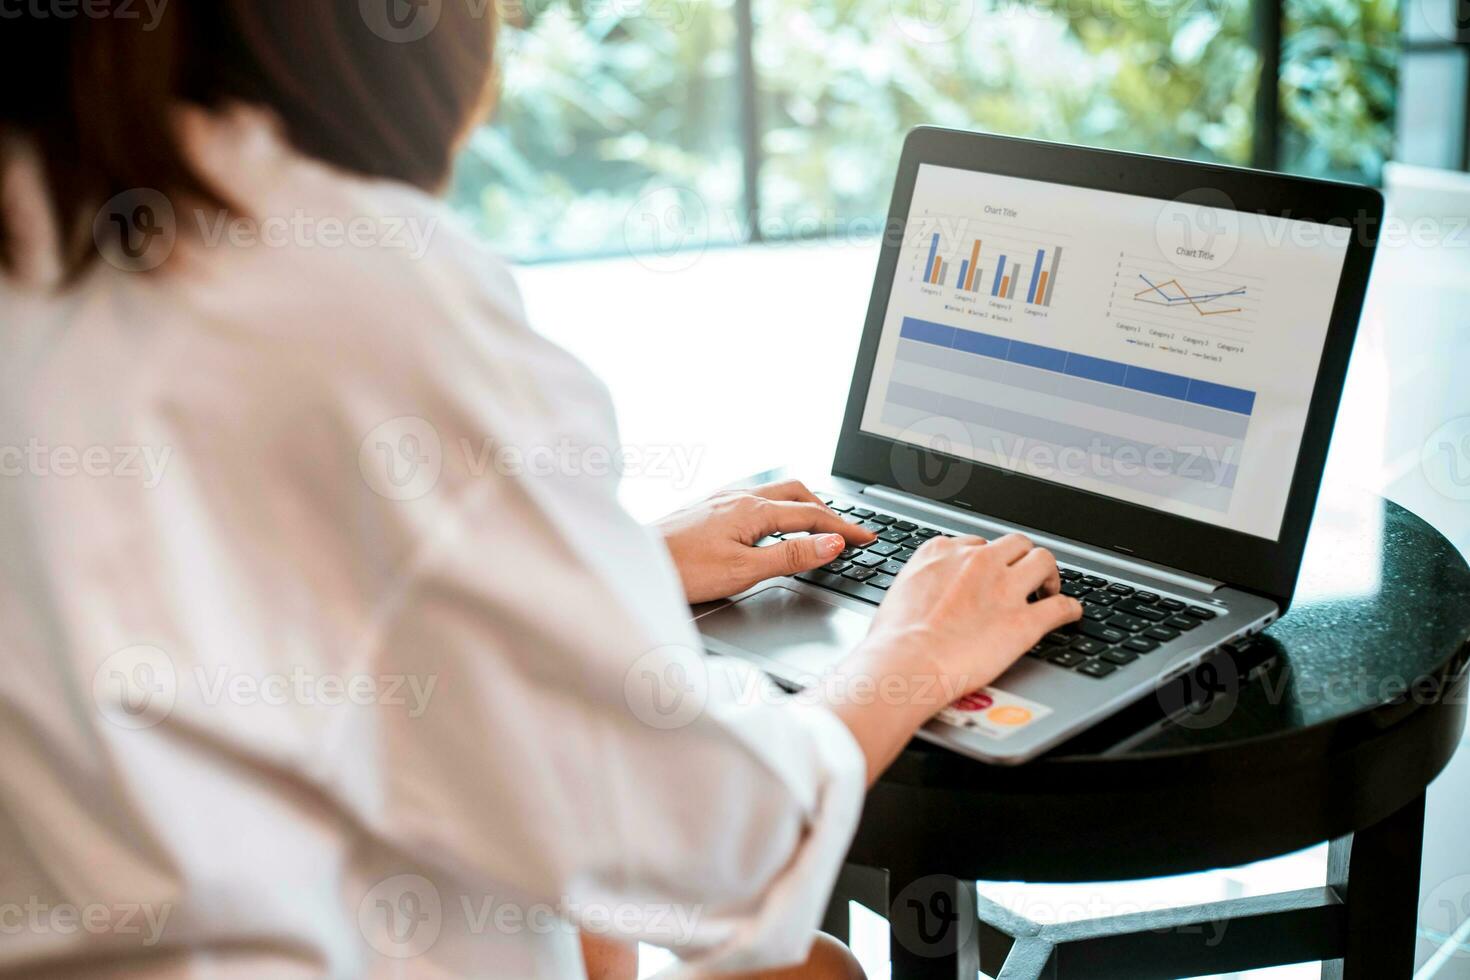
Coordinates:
<point>303,675</point>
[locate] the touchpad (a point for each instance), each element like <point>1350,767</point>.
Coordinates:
<point>793,634</point>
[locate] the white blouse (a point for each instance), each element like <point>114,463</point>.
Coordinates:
<point>327,649</point>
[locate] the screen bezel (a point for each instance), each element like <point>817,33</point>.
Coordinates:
<point>1243,560</point>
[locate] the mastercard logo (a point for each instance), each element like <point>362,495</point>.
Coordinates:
<point>974,702</point>
<point>1009,715</point>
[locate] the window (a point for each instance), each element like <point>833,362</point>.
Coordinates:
<point>1434,89</point>
<point>627,125</point>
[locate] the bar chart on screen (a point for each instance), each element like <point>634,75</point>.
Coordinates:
<point>989,260</point>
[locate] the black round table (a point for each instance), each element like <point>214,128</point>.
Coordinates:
<point>1328,727</point>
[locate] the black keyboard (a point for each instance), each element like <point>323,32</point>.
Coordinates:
<point>1119,624</point>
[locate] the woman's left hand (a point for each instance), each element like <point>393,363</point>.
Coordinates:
<point>713,542</point>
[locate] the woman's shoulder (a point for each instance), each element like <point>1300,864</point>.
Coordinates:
<point>303,234</point>
<point>366,279</point>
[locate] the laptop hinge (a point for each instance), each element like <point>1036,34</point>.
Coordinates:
<point>1092,553</point>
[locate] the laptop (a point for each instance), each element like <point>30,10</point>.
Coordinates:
<point>1136,362</point>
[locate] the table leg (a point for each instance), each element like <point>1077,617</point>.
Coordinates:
<point>1376,872</point>
<point>855,883</point>
<point>932,927</point>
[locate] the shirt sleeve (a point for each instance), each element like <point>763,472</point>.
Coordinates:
<point>577,744</point>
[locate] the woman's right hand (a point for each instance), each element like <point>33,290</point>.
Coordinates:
<point>967,602</point>
<point>961,612</point>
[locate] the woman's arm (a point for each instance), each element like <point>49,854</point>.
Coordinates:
<point>961,612</point>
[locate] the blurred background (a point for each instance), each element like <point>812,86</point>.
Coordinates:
<point>671,174</point>
<point>785,117</point>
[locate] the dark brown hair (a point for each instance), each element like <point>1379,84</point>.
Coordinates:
<point>383,88</point>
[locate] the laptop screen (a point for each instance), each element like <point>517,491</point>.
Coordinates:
<point>1151,351</point>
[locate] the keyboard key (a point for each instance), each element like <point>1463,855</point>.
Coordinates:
<point>904,554</point>
<point>1057,638</point>
<point>1088,646</point>
<point>862,513</point>
<point>881,581</point>
<point>1142,596</point>
<point>866,560</point>
<point>1118,588</point>
<point>1120,657</point>
<point>819,577</point>
<point>835,566</point>
<point>893,536</point>
<point>883,519</point>
<point>850,553</point>
<point>883,548</point>
<point>1096,613</point>
<point>1067,658</point>
<point>859,574</point>
<point>905,526</point>
<point>1161,633</point>
<point>1181,622</point>
<point>926,533</point>
<point>1100,598</point>
<point>1069,574</point>
<point>873,526</point>
<point>1130,623</point>
<point>859,590</point>
<point>1135,608</point>
<point>1141,644</point>
<point>839,507</point>
<point>891,567</point>
<point>1094,581</point>
<point>1096,668</point>
<point>1100,632</point>
<point>1200,612</point>
<point>1040,650</point>
<point>1074,589</point>
<point>1173,605</point>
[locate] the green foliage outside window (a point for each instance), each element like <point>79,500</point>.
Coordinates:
<point>605,101</point>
